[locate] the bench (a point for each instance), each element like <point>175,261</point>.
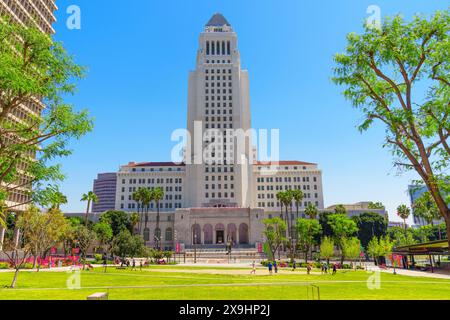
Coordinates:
<point>98,296</point>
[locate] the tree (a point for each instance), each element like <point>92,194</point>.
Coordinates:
<point>298,197</point>
<point>370,224</point>
<point>36,71</point>
<point>323,220</point>
<point>134,220</point>
<point>85,237</point>
<point>17,254</point>
<point>58,200</point>
<point>400,237</point>
<point>426,208</point>
<point>340,209</point>
<point>342,227</point>
<point>104,234</point>
<point>43,231</point>
<point>137,197</point>
<point>275,233</point>
<point>157,196</point>
<point>311,211</point>
<point>351,248</point>
<point>403,212</point>
<point>118,220</point>
<point>326,248</point>
<point>307,230</point>
<point>385,72</point>
<point>146,197</point>
<point>380,247</point>
<point>88,197</point>
<point>376,206</point>
<point>124,244</point>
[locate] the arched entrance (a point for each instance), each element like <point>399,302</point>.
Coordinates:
<point>231,233</point>
<point>243,233</point>
<point>196,234</point>
<point>220,233</point>
<point>208,234</point>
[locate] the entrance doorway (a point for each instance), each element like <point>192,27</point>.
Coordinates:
<point>220,236</point>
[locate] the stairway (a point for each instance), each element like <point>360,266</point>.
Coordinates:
<point>219,255</point>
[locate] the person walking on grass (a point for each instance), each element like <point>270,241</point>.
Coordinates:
<point>334,268</point>
<point>308,268</point>
<point>133,268</point>
<point>269,265</point>
<point>294,265</point>
<point>253,268</point>
<point>140,265</point>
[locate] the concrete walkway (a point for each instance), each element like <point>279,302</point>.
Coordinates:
<point>412,273</point>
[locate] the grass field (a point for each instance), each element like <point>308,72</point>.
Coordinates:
<point>210,283</point>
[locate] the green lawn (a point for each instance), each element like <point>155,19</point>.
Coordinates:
<point>159,284</point>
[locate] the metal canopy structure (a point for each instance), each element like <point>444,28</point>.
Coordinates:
<point>439,247</point>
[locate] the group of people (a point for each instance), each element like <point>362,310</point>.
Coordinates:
<point>325,268</point>
<point>127,263</point>
<point>272,266</point>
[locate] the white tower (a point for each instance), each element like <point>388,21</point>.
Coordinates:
<point>219,161</point>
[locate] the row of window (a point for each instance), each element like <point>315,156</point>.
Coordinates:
<point>212,84</point>
<point>286,179</point>
<point>155,169</point>
<point>218,61</point>
<point>224,98</point>
<point>219,195</point>
<point>273,196</point>
<point>213,78</point>
<point>213,105</point>
<point>218,48</point>
<point>277,205</point>
<point>170,205</point>
<point>153,180</point>
<point>167,189</point>
<point>279,187</point>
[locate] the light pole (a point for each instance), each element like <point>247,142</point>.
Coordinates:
<point>195,247</point>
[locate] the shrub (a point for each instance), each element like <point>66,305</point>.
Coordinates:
<point>27,266</point>
<point>4,265</point>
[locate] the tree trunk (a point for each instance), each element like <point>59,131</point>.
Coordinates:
<point>157,227</point>
<point>447,223</point>
<point>34,261</point>
<point>16,274</point>
<point>87,213</point>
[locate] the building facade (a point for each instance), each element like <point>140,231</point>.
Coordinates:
<point>219,193</point>
<point>39,13</point>
<point>105,189</point>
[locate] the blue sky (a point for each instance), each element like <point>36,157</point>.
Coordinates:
<point>139,55</point>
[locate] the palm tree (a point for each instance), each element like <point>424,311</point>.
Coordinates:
<point>289,196</point>
<point>134,219</point>
<point>146,198</point>
<point>426,208</point>
<point>311,211</point>
<point>403,212</point>
<point>298,197</point>
<point>158,195</point>
<point>89,197</point>
<point>58,200</point>
<point>281,197</point>
<point>136,196</point>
